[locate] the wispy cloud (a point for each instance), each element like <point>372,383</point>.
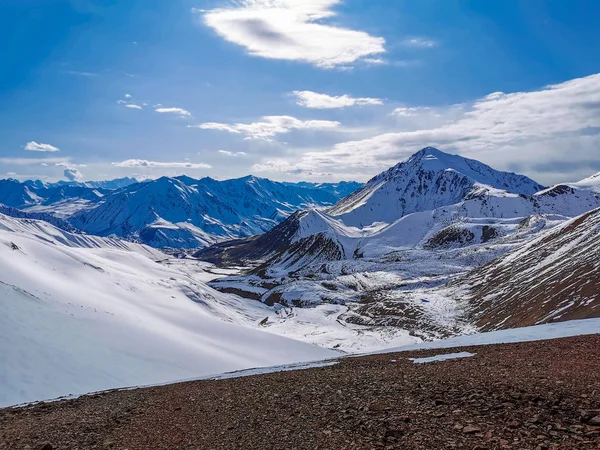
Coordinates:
<point>32,161</point>
<point>292,30</point>
<point>288,168</point>
<point>309,99</point>
<point>82,74</point>
<point>229,153</point>
<point>35,147</point>
<point>269,126</point>
<point>410,112</point>
<point>179,111</point>
<point>162,165</point>
<point>133,106</point>
<point>420,42</point>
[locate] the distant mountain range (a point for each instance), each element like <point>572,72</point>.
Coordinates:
<point>179,212</point>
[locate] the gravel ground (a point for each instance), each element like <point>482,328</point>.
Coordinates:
<point>537,395</point>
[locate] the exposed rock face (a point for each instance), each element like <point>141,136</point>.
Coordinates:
<point>555,277</point>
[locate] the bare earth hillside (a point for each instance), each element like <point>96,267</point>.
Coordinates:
<point>537,395</point>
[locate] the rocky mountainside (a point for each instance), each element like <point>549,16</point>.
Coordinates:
<point>525,395</point>
<point>554,277</point>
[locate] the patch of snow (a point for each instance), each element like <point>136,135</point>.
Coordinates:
<point>445,357</point>
<point>526,334</point>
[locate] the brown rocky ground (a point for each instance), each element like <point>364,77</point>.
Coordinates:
<point>539,395</point>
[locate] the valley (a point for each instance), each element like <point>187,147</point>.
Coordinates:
<point>437,247</point>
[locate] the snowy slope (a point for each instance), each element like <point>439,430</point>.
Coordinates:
<point>523,334</point>
<point>427,180</point>
<point>591,183</point>
<point>81,313</point>
<point>340,190</point>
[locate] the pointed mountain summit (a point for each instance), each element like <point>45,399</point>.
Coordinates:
<point>427,180</point>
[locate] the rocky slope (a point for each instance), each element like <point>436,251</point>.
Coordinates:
<point>536,395</point>
<point>555,277</point>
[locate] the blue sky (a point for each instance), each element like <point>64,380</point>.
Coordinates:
<point>296,89</point>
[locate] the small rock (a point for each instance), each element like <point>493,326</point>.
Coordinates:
<point>595,421</point>
<point>470,429</point>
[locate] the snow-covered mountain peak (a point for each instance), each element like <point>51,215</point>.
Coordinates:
<point>591,183</point>
<point>432,159</point>
<point>427,180</point>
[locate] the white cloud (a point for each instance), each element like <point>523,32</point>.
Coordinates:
<point>288,168</point>
<point>31,161</point>
<point>70,170</point>
<point>292,30</point>
<point>420,42</point>
<point>82,74</point>
<point>35,147</point>
<point>180,111</point>
<point>127,95</point>
<point>69,165</point>
<point>375,61</point>
<point>229,153</point>
<point>552,134</point>
<point>72,174</point>
<point>309,99</point>
<point>269,126</point>
<point>133,106</point>
<point>409,112</point>
<point>162,165</point>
